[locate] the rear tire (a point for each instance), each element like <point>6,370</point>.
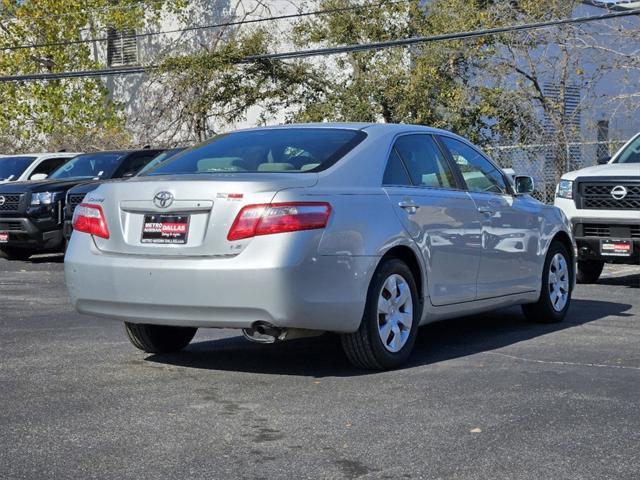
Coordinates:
<point>12,253</point>
<point>392,313</point>
<point>589,271</point>
<point>555,292</point>
<point>159,338</point>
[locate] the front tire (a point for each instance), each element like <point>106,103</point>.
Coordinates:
<point>389,325</point>
<point>555,293</point>
<point>589,271</point>
<point>159,338</point>
<point>12,253</point>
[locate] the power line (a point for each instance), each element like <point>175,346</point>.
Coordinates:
<point>104,72</point>
<point>435,38</point>
<point>336,50</point>
<point>206,27</point>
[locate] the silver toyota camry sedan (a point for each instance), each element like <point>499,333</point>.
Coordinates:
<point>366,230</point>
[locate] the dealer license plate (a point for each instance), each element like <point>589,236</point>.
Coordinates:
<point>167,229</point>
<point>616,248</point>
<point>4,237</point>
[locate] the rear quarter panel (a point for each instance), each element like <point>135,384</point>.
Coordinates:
<point>361,229</point>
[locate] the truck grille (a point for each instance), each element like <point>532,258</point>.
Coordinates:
<point>11,202</point>
<point>596,230</point>
<point>598,196</point>
<point>606,230</point>
<point>10,226</point>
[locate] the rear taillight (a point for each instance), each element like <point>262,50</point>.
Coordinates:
<point>254,220</point>
<point>89,218</point>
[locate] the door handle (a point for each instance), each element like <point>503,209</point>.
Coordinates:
<point>409,206</point>
<point>486,210</point>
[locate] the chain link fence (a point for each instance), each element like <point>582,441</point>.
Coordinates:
<point>546,162</point>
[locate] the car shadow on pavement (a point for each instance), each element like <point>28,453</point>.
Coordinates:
<point>490,331</point>
<point>629,281</point>
<point>323,357</point>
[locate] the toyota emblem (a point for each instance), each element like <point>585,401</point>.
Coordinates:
<point>619,192</point>
<point>163,199</point>
<point>2,200</point>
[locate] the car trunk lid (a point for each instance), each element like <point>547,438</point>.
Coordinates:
<point>191,214</point>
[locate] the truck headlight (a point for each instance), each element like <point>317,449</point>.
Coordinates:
<point>565,189</point>
<point>42,198</point>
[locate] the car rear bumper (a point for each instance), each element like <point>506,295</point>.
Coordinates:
<point>23,233</point>
<point>311,292</point>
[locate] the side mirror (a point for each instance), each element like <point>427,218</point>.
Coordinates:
<point>524,184</point>
<point>38,176</point>
<point>603,160</point>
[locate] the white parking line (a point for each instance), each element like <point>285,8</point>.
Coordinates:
<point>572,364</point>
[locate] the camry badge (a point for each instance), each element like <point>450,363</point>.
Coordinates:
<point>619,192</point>
<point>163,199</point>
<point>2,200</point>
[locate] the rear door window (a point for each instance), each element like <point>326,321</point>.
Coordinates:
<point>396,173</point>
<point>424,162</point>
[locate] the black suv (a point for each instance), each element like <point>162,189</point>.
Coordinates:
<point>32,213</point>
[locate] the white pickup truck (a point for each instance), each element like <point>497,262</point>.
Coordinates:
<point>603,204</point>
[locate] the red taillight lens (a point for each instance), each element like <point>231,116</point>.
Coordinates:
<point>89,218</point>
<point>256,220</point>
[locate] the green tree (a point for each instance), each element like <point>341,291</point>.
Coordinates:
<point>36,114</point>
<point>431,83</point>
<point>193,95</point>
<point>198,93</point>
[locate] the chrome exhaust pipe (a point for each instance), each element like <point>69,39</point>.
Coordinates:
<point>264,332</point>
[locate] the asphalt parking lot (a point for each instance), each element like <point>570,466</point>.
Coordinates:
<point>488,396</point>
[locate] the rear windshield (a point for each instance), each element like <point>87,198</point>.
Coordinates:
<point>91,165</point>
<point>631,154</point>
<point>12,167</point>
<point>290,150</point>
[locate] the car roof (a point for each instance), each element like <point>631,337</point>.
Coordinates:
<point>371,127</point>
